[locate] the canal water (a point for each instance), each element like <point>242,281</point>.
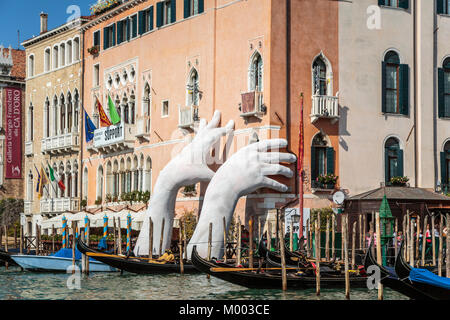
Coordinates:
<point>16,284</point>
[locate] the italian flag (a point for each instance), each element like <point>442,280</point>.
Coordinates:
<point>55,177</point>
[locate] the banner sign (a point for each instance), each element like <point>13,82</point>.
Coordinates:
<point>109,135</point>
<point>13,131</point>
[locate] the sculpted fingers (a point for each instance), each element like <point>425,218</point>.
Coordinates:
<point>202,124</point>
<point>270,144</point>
<point>214,121</point>
<point>276,169</point>
<point>272,184</point>
<point>276,157</point>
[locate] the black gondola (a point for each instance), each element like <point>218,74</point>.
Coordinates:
<point>134,264</point>
<point>389,278</point>
<point>272,280</point>
<point>403,270</point>
<point>6,256</point>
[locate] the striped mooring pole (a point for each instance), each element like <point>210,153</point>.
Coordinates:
<point>86,223</point>
<point>105,227</point>
<point>128,233</point>
<point>64,232</point>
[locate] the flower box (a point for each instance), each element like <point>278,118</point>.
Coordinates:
<point>94,50</point>
<point>399,181</point>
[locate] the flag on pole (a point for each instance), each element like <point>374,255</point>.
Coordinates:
<point>89,127</point>
<point>55,177</point>
<point>115,118</point>
<point>43,181</point>
<point>104,120</point>
<point>38,182</point>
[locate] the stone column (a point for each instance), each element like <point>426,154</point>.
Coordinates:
<point>55,121</point>
<point>73,124</point>
<point>66,118</point>
<point>73,184</point>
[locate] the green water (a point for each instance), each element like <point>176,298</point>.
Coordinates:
<point>16,284</point>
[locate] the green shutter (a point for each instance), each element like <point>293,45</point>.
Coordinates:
<point>173,11</point>
<point>134,26</point>
<point>201,6</point>
<point>313,165</point>
<point>403,4</point>
<point>441,96</point>
<point>159,14</point>
<point>383,87</point>
<point>187,8</point>
<point>381,2</point>
<point>386,165</point>
<point>404,89</point>
<point>444,174</point>
<point>141,22</point>
<point>150,15</point>
<point>440,7</point>
<point>105,38</point>
<point>330,161</point>
<point>113,34</point>
<point>400,163</point>
<point>119,32</point>
<point>128,28</point>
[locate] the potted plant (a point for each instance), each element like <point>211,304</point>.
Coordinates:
<point>83,203</point>
<point>93,50</point>
<point>103,6</point>
<point>189,191</point>
<point>399,181</point>
<point>98,201</point>
<point>327,181</point>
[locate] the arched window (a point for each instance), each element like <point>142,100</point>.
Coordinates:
<point>76,108</point>
<point>76,49</point>
<point>55,115</point>
<point>62,114</point>
<point>69,52</point>
<point>62,54</point>
<point>444,89</point>
<point>47,118</point>
<point>30,186</point>
<point>193,92</point>
<point>99,183</point>
<point>128,175</point>
<point>68,182</point>
<point>393,159</point>
<point>146,106</point>
<point>85,182</point>
<point>55,57</point>
<point>47,60</point>
<point>395,84</point>
<point>322,160</point>
<point>320,77</point>
<point>132,111</point>
<point>31,66</point>
<point>122,176</point>
<point>31,122</point>
<point>126,110</point>
<point>135,174</point>
<point>69,112</point>
<point>256,73</point>
<point>445,167</point>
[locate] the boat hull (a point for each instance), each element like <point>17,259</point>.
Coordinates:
<point>56,264</point>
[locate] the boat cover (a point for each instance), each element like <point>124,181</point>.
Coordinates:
<point>67,253</point>
<point>428,277</point>
<point>392,273</point>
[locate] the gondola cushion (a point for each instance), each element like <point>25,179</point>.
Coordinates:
<point>428,277</point>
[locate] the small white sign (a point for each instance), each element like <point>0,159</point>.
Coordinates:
<point>109,135</point>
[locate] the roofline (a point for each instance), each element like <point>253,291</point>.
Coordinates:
<point>109,14</point>
<point>63,28</point>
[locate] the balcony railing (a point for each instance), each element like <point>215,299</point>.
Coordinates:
<point>29,148</point>
<point>143,128</point>
<point>252,104</point>
<point>187,116</point>
<point>65,143</point>
<point>324,107</point>
<point>60,204</point>
<point>114,138</point>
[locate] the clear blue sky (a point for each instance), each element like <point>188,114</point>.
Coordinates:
<point>23,15</point>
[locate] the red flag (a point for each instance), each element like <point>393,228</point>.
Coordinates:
<point>104,120</point>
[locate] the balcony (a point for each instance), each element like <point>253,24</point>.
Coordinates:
<point>252,104</point>
<point>65,143</point>
<point>59,205</point>
<point>29,148</point>
<point>27,206</point>
<point>324,107</point>
<point>143,128</point>
<point>114,138</point>
<point>187,117</point>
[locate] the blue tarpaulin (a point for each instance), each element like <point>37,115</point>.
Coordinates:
<point>428,277</point>
<point>67,253</point>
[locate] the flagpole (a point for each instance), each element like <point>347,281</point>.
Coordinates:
<point>50,181</point>
<point>39,175</point>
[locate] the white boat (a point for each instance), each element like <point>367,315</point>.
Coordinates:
<point>61,261</point>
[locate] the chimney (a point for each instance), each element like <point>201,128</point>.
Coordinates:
<point>44,20</point>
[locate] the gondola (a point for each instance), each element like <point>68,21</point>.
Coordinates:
<point>272,280</point>
<point>422,280</point>
<point>6,257</point>
<point>134,264</point>
<point>389,278</point>
<point>292,260</point>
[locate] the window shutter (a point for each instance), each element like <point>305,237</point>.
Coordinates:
<point>173,11</point>
<point>443,169</point>
<point>105,38</point>
<point>113,34</point>
<point>381,2</point>
<point>159,14</point>
<point>404,89</point>
<point>383,87</point>
<point>400,163</point>
<point>201,6</point>
<point>441,97</point>
<point>150,23</point>
<point>128,29</point>
<point>440,7</point>
<point>119,32</point>
<point>313,165</point>
<point>403,4</point>
<point>386,165</point>
<point>187,8</point>
<point>141,22</point>
<point>134,26</point>
<point>330,161</point>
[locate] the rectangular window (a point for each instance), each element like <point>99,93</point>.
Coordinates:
<point>165,109</point>
<point>133,26</point>
<point>145,20</point>
<point>97,38</point>
<point>109,35</point>
<point>392,94</point>
<point>96,75</point>
<point>447,93</point>
<point>193,7</point>
<point>394,3</point>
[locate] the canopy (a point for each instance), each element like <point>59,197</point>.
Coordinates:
<point>428,277</point>
<point>57,221</point>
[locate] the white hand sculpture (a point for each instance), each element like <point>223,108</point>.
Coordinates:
<point>243,173</point>
<point>187,168</point>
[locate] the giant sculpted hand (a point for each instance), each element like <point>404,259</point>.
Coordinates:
<point>245,172</point>
<point>187,168</point>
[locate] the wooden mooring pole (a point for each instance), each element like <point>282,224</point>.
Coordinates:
<point>396,236</point>
<point>416,253</point>
<point>345,243</point>
<point>353,245</point>
<point>238,250</point>
<point>180,248</point>
<point>119,236</point>
<point>433,240</point>
<point>250,235</point>
<point>333,236</point>
<point>116,249</point>
<point>441,245</point>
<point>73,246</point>
<point>162,237</point>
<point>150,238</point>
<point>224,239</point>
<point>327,240</point>
<point>21,239</point>
<point>447,265</point>
<point>424,240</point>
<point>209,245</point>
<point>317,253</point>
<point>379,257</point>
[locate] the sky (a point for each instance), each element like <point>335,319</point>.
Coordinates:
<point>23,15</point>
